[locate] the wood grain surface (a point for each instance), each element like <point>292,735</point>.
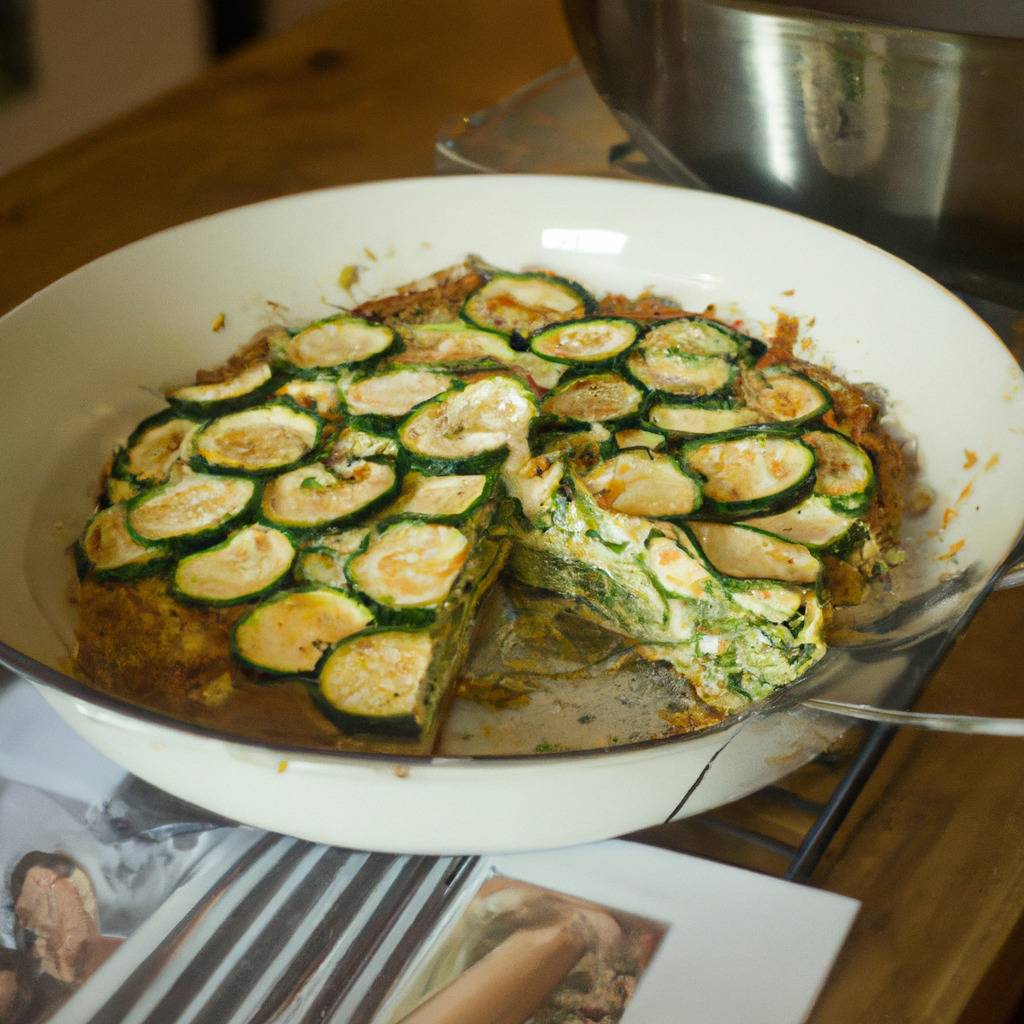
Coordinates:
<point>934,846</point>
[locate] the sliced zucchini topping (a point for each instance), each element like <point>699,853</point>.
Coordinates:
<point>374,681</point>
<point>356,443</point>
<point>318,394</point>
<point>693,334</point>
<point>595,398</point>
<point>442,498</point>
<point>639,482</point>
<point>112,552</point>
<point>775,602</point>
<point>696,420</point>
<point>324,560</point>
<point>155,446</point>
<point>525,302</point>
<point>751,473</point>
<point>814,522</point>
<point>782,395</point>
<point>289,633</point>
<point>262,439</point>
<point>117,490</point>
<point>195,508</point>
<point>341,340</point>
<point>533,483</point>
<point>681,373</point>
<point>466,427</point>
<point>394,393</point>
<point>678,573</point>
<point>249,563</point>
<point>459,346</point>
<point>588,341</point>
<point>314,496</point>
<point>745,553</point>
<point>253,382</point>
<point>410,564</point>
<point>634,437</point>
<point>844,473</point>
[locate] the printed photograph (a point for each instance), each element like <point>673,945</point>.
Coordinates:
<point>522,954</point>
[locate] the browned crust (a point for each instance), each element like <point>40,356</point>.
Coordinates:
<point>432,305</point>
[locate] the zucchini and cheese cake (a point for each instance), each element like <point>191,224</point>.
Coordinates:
<point>298,543</point>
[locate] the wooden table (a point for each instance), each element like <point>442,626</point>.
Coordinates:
<point>933,846</point>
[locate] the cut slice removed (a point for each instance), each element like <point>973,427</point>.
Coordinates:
<point>247,384</point>
<point>751,473</point>
<point>525,302</point>
<point>745,553</point>
<point>461,426</point>
<point>693,334</point>
<point>638,482</point>
<point>782,395</point>
<point>678,572</point>
<point>196,507</point>
<point>410,564</point>
<point>314,496</point>
<point>245,566</point>
<point>588,341</point>
<point>844,472</point>
<point>289,633</point>
<point>696,420</point>
<point>680,373</point>
<point>375,681</point>
<point>155,446</point>
<point>338,341</point>
<point>442,498</point>
<point>813,522</point>
<point>394,393</point>
<point>112,552</point>
<point>595,398</point>
<point>261,439</point>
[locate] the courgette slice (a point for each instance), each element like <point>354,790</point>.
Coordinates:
<point>409,565</point>
<point>845,474</point>
<point>113,553</point>
<point>312,497</point>
<point>118,490</point>
<point>677,572</point>
<point>694,334</point>
<point>195,509</point>
<point>697,420</point>
<point>395,392</point>
<point>782,395</point>
<point>262,439</point>
<point>289,633</point>
<point>155,446</point>
<point>639,482</point>
<point>459,346</point>
<point>776,602</point>
<point>245,567</point>
<point>533,484</point>
<point>587,342</point>
<point>357,442</point>
<point>813,522</point>
<point>243,388</point>
<point>681,373</point>
<point>594,398</point>
<point>525,302</point>
<point>317,394</point>
<point>338,341</point>
<point>442,499</point>
<point>323,560</point>
<point>636,437</point>
<point>468,429</point>
<point>375,682</point>
<point>750,473</point>
<point>745,553</point>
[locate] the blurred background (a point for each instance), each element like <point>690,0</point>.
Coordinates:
<point>66,67</point>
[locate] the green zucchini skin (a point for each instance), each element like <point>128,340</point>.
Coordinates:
<point>760,390</point>
<point>473,315</point>
<point>158,556</point>
<point>702,418</point>
<point>738,346</point>
<point>283,362</point>
<point>634,400</point>
<point>217,407</point>
<point>450,518</point>
<point>692,393</point>
<point>382,418</point>
<point>201,464</point>
<point>740,508</point>
<point>856,501</point>
<point>541,341</point>
<point>122,463</point>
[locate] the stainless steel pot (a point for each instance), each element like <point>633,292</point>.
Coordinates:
<point>912,138</point>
